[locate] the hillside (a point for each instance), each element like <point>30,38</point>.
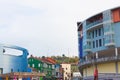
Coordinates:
<point>65,59</point>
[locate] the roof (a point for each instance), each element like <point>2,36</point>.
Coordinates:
<point>44,60</point>
<point>22,74</point>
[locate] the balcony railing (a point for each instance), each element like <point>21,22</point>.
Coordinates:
<point>108,30</point>
<point>87,48</point>
<point>99,60</point>
<point>105,76</point>
<point>94,23</point>
<point>110,42</point>
<point>88,39</point>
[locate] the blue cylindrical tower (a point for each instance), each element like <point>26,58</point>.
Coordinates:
<point>12,63</point>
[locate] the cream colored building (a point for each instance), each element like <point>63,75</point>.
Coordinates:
<point>66,71</point>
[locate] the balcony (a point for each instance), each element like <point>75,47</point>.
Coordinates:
<point>108,30</point>
<point>99,60</point>
<point>110,42</point>
<point>95,23</point>
<point>88,39</point>
<point>87,48</point>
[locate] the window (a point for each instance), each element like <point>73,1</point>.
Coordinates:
<point>103,41</point>
<point>39,65</point>
<point>100,42</point>
<point>11,70</point>
<point>93,34</point>
<point>33,65</point>
<point>45,65</point>
<point>100,32</point>
<point>93,44</point>
<point>1,70</point>
<point>28,65</point>
<point>53,66</point>
<point>18,70</point>
<point>57,74</point>
<point>96,32</point>
<point>96,43</point>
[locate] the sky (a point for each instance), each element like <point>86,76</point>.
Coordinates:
<point>47,27</point>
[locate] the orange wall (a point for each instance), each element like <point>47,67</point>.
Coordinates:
<point>116,15</point>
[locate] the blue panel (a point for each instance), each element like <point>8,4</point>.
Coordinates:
<point>29,70</point>
<point>117,34</point>
<point>80,47</point>
<point>28,78</point>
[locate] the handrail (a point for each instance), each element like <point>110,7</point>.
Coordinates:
<point>94,23</point>
<point>104,59</point>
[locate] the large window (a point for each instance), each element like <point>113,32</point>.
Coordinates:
<point>39,65</point>
<point>93,34</point>
<point>100,32</point>
<point>93,44</point>
<point>103,41</point>
<point>96,32</point>
<point>100,42</point>
<point>11,70</point>
<point>33,65</point>
<point>96,43</point>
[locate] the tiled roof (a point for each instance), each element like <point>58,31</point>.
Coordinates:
<point>45,60</point>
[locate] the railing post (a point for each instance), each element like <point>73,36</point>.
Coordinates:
<point>86,58</point>
<point>116,52</point>
<point>96,55</point>
<point>116,63</point>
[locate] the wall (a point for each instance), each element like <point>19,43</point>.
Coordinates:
<point>67,70</point>
<point>107,68</point>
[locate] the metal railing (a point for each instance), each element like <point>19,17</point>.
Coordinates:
<point>104,76</point>
<point>99,60</point>
<point>94,23</point>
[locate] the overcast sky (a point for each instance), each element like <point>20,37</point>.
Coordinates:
<point>47,27</point>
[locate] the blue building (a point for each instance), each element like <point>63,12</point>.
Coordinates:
<point>15,66</point>
<point>99,45</point>
<point>11,63</point>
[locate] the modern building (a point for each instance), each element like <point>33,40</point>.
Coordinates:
<point>66,71</point>
<point>99,45</point>
<point>14,66</point>
<point>15,63</point>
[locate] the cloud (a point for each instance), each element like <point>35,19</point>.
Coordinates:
<point>46,27</point>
